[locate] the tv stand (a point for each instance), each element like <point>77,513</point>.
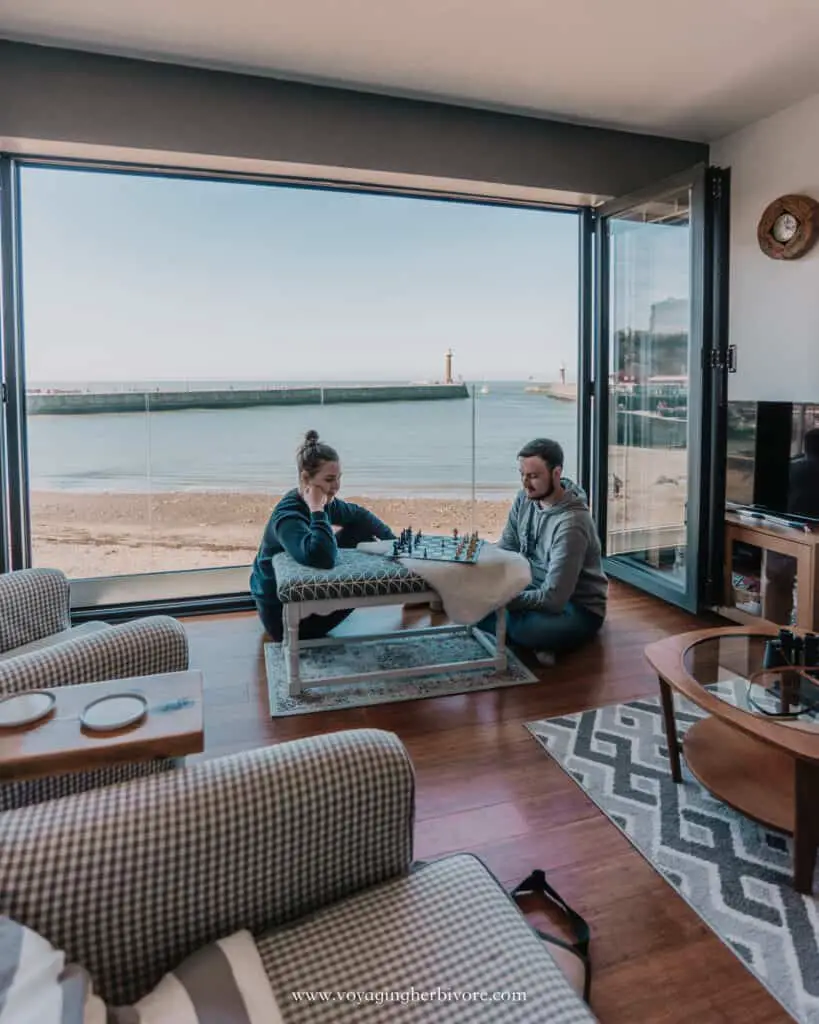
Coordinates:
<point>772,537</point>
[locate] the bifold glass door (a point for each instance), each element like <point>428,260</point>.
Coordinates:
<point>652,389</point>
<point>13,503</point>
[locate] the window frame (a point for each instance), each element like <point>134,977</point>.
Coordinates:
<point>184,591</point>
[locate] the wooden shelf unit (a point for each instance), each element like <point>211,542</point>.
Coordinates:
<point>802,547</point>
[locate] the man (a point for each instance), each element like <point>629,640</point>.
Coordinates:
<point>551,526</point>
<point>803,484</point>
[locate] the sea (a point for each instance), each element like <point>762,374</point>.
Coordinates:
<point>437,449</point>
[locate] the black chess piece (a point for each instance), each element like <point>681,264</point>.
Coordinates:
<point>773,655</point>
<point>789,684</point>
<point>811,650</point>
<point>786,645</point>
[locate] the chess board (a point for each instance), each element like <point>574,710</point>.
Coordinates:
<point>435,547</point>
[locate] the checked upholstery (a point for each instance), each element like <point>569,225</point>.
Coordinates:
<point>39,649</point>
<point>447,927</point>
<point>356,574</point>
<point>131,879</point>
<point>34,605</point>
<point>306,844</point>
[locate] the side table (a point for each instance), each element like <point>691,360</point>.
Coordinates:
<point>59,743</point>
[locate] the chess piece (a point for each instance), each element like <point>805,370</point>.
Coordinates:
<point>786,639</point>
<point>789,685</point>
<point>773,655</point>
<point>811,652</point>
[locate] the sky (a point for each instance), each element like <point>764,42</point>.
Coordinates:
<point>132,278</point>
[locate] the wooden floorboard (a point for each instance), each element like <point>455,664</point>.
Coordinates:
<point>484,785</point>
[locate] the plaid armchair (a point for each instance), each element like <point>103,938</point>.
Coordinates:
<point>39,648</point>
<point>308,845</point>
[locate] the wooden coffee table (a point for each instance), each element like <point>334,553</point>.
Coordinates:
<point>766,768</point>
<point>60,743</point>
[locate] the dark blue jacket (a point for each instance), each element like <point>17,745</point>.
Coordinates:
<point>308,537</point>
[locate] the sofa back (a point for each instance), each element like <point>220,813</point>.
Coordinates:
<point>130,879</point>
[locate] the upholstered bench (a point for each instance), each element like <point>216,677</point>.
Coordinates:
<point>361,580</point>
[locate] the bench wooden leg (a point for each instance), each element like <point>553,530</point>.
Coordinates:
<point>291,636</point>
<point>501,660</point>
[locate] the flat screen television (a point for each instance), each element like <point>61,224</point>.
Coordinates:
<point>764,441</point>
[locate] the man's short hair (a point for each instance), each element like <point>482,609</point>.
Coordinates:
<point>811,442</point>
<point>549,451</point>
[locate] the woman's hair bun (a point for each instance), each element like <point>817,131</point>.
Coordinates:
<point>312,453</point>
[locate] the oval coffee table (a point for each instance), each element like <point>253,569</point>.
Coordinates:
<point>764,766</point>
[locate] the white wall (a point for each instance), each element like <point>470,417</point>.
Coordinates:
<point>774,305</point>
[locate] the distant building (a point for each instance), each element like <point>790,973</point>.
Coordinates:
<point>671,316</point>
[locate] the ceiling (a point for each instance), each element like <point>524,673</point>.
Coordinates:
<point>696,70</point>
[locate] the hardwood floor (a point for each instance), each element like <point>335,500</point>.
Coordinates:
<point>483,785</point>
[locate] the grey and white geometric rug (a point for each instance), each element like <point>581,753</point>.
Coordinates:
<point>734,873</point>
<point>400,651</point>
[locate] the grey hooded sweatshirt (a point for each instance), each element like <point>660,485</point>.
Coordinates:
<point>561,545</point>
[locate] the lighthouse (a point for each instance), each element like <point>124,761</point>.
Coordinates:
<point>448,366</point>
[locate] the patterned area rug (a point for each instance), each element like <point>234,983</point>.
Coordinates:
<point>367,656</point>
<point>734,873</point>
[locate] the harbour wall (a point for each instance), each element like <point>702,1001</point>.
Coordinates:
<point>61,403</point>
<point>560,392</point>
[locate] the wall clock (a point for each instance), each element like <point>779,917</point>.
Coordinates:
<point>789,227</point>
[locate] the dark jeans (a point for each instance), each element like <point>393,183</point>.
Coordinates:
<point>314,627</point>
<point>558,632</point>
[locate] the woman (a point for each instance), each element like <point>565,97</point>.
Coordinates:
<point>302,525</point>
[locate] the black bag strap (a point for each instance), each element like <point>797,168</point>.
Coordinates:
<point>536,883</point>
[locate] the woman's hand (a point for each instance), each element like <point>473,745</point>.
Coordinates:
<point>315,498</point>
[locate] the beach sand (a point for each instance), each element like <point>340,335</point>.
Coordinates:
<point>111,534</point>
<point>114,534</point>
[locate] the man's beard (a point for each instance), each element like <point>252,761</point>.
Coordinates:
<point>543,495</point>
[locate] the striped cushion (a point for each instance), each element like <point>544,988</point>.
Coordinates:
<point>37,985</point>
<point>356,574</point>
<point>223,982</point>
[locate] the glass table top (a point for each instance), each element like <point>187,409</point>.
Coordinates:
<point>733,668</point>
